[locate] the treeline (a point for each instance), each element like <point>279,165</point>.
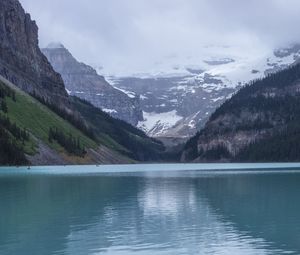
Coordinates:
<point>18,133</point>
<point>12,138</point>
<point>250,96</point>
<point>265,104</point>
<point>6,91</point>
<point>10,152</point>
<point>107,117</point>
<point>279,79</point>
<point>191,148</point>
<point>71,144</point>
<point>75,121</point>
<point>137,144</point>
<point>217,153</point>
<point>282,146</point>
<point>214,154</point>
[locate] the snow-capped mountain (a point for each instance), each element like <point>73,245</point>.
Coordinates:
<point>178,103</point>
<point>83,81</point>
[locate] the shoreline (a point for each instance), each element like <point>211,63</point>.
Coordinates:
<point>144,168</point>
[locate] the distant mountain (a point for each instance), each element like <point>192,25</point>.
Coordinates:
<point>174,106</point>
<point>83,81</point>
<point>261,122</point>
<point>178,105</point>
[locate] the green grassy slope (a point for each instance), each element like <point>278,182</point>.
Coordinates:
<point>27,113</point>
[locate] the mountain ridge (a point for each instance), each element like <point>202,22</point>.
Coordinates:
<point>84,82</point>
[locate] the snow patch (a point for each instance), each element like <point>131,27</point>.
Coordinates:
<point>217,99</point>
<point>127,92</point>
<point>110,111</point>
<point>142,97</point>
<point>156,124</point>
<point>68,91</point>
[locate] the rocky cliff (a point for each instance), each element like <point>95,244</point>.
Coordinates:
<point>21,60</point>
<point>83,81</point>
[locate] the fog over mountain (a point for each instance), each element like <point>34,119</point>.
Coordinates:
<point>140,36</point>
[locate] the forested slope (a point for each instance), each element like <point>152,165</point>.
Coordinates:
<point>261,122</point>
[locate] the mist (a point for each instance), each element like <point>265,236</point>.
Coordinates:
<point>141,35</point>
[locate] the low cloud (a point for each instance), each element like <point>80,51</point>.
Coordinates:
<point>134,35</point>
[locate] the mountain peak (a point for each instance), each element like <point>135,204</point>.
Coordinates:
<point>55,45</point>
<point>92,87</point>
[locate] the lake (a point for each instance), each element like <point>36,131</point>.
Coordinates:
<point>150,209</point>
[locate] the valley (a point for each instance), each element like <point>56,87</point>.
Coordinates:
<point>73,113</point>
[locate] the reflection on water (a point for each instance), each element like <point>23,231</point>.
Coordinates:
<point>182,213</point>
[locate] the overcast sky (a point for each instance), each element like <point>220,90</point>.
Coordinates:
<point>134,35</point>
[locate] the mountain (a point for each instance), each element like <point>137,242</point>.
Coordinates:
<point>180,103</point>
<point>83,81</point>
<point>261,122</point>
<point>21,60</point>
<point>40,124</point>
<point>174,107</point>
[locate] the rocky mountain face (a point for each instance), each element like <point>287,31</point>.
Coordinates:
<point>83,81</point>
<point>180,104</point>
<point>21,60</point>
<point>175,106</point>
<point>259,123</point>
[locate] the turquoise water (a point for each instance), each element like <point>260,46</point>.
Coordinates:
<point>150,209</point>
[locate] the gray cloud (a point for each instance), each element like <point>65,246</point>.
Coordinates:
<point>132,35</point>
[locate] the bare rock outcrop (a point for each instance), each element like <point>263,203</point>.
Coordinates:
<point>84,82</point>
<point>21,60</point>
